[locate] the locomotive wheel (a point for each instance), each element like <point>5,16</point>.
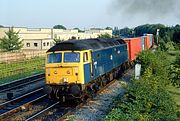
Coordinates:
<point>57,94</point>
<point>52,95</point>
<point>95,87</point>
<point>90,92</point>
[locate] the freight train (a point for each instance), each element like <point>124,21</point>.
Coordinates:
<point>76,69</point>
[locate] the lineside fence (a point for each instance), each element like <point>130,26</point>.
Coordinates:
<point>15,65</point>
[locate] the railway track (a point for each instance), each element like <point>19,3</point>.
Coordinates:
<point>17,104</point>
<point>89,99</point>
<point>42,111</point>
<point>59,112</point>
<point>21,82</point>
<point>52,111</point>
<point>81,104</point>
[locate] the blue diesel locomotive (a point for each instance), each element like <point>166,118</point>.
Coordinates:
<point>77,68</point>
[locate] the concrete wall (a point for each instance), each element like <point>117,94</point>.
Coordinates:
<point>22,55</point>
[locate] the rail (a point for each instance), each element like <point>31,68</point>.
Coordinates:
<point>42,111</point>
<point>16,104</point>
<point>21,82</point>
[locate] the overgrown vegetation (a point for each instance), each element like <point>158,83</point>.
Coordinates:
<point>175,72</point>
<point>148,99</point>
<point>15,70</point>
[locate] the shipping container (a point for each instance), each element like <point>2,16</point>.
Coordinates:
<point>147,42</point>
<point>151,39</point>
<point>142,43</point>
<point>134,47</point>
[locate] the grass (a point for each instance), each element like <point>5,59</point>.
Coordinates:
<point>175,92</point>
<point>19,76</point>
<point>16,70</point>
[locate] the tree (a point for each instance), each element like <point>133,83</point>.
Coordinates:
<point>106,35</point>
<point>1,26</point>
<point>73,37</point>
<point>79,30</point>
<point>108,28</point>
<point>126,32</point>
<point>57,40</point>
<point>59,27</point>
<point>10,41</point>
<point>176,34</point>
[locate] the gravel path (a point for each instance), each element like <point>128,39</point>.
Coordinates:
<point>99,107</point>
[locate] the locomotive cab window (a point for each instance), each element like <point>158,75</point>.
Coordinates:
<point>85,57</point>
<point>71,57</point>
<point>54,58</point>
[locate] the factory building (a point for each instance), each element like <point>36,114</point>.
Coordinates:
<point>43,38</point>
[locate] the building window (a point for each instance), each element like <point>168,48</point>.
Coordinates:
<point>44,44</point>
<point>47,43</point>
<point>85,57</point>
<point>27,44</point>
<point>35,44</point>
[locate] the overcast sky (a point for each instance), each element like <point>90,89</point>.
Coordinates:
<point>88,13</point>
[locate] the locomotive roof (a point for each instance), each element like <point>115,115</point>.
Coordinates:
<point>85,44</point>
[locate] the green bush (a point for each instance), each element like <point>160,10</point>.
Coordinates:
<point>158,64</point>
<point>147,99</point>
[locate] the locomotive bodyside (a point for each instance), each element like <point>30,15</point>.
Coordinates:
<point>108,59</point>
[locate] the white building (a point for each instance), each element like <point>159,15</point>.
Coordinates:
<point>43,38</point>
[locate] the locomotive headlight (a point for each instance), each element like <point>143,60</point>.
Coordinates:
<point>76,70</point>
<point>68,72</point>
<point>55,72</point>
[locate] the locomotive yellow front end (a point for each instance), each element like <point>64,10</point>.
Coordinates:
<point>64,74</point>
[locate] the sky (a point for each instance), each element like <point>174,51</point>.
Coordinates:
<point>86,14</point>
